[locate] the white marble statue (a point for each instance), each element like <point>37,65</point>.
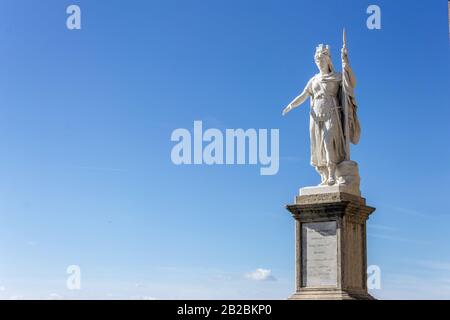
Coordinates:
<point>333,119</point>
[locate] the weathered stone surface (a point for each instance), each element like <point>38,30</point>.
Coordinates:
<point>319,258</point>
<point>333,225</point>
<point>328,197</point>
<point>330,294</point>
<point>337,188</point>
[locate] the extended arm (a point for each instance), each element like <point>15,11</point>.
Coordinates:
<point>297,101</point>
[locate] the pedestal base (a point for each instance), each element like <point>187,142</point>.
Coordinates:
<point>331,254</point>
<point>307,191</point>
<point>330,294</point>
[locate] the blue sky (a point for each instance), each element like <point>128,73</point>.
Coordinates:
<point>86,117</point>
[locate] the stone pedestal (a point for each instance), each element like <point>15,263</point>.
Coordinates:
<point>331,254</point>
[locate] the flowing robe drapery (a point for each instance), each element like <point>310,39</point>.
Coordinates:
<point>353,121</point>
<point>326,119</point>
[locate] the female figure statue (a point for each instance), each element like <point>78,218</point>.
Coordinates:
<point>333,118</point>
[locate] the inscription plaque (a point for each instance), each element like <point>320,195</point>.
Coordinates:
<point>319,254</point>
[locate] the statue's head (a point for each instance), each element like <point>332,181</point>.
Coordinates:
<point>322,58</point>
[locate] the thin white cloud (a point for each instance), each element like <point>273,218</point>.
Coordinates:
<point>32,243</point>
<point>435,265</point>
<point>409,212</point>
<point>398,239</point>
<point>214,122</point>
<point>55,296</point>
<point>98,168</point>
<point>380,227</point>
<point>142,298</point>
<point>410,287</point>
<point>291,158</point>
<point>260,274</point>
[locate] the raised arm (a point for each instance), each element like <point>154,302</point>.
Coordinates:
<point>297,101</point>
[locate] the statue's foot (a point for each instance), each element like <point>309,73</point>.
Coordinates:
<point>341,180</point>
<point>331,181</point>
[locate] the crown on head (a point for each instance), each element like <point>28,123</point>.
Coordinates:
<point>323,49</point>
